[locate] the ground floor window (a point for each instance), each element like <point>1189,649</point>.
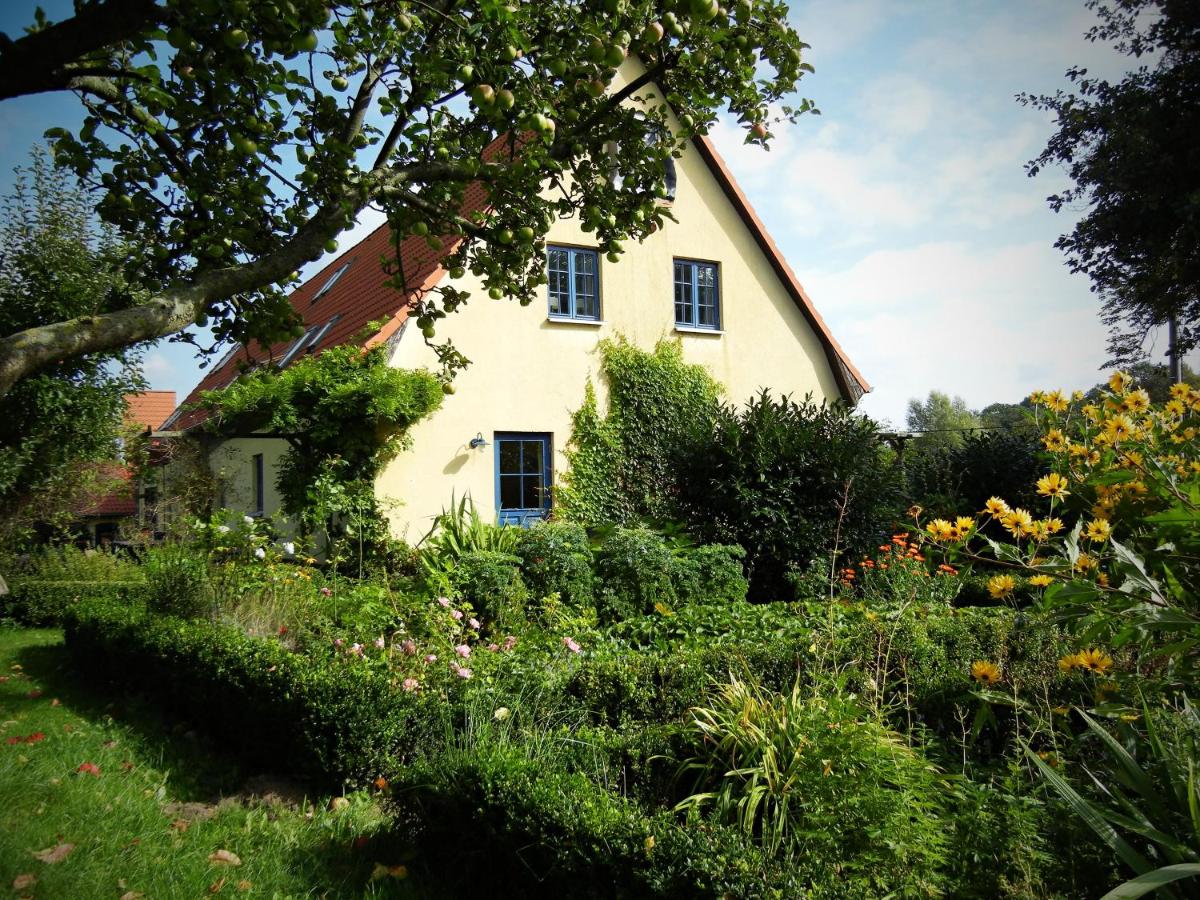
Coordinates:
<point>523,476</point>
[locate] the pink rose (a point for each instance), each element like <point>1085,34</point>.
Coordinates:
<point>462,671</point>
<point>571,645</point>
<point>463,650</point>
<point>474,623</point>
<point>510,642</point>
<point>337,642</point>
<point>379,643</point>
<point>457,615</point>
<point>444,601</point>
<point>493,647</point>
<point>409,647</point>
<point>410,685</point>
<point>326,592</point>
<point>431,658</point>
<point>356,649</point>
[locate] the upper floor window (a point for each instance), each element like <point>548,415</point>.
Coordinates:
<point>697,297</point>
<point>574,279</point>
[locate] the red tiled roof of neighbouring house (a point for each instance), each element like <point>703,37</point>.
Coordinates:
<point>149,408</point>
<point>352,293</point>
<point>116,502</point>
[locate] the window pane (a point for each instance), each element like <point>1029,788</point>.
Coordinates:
<point>683,294</point>
<point>510,456</point>
<point>560,281</point>
<point>586,306</point>
<point>510,492</point>
<point>706,295</point>
<point>532,463</point>
<point>534,490</point>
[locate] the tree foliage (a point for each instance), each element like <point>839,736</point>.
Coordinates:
<point>940,419</point>
<point>57,263</point>
<point>344,414</point>
<point>232,141</point>
<point>1130,148</point>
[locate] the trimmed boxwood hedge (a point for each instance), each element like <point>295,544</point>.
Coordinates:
<point>41,604</point>
<point>322,720</point>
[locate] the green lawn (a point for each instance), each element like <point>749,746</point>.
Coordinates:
<point>140,807</point>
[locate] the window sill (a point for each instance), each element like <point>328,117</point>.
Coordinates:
<point>692,329</point>
<point>567,320</point>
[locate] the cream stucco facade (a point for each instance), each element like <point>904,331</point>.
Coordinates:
<point>528,372</point>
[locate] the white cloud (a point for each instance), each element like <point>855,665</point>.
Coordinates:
<point>988,324</point>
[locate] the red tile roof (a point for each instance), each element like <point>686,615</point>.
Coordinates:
<point>149,408</point>
<point>118,502</point>
<point>360,295</point>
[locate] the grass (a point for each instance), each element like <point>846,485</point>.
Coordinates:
<point>146,803</point>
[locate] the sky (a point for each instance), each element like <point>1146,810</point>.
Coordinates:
<point>904,207</point>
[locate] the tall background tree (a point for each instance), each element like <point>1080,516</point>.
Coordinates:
<point>232,141</point>
<point>58,263</point>
<point>940,419</point>
<point>1130,148</point>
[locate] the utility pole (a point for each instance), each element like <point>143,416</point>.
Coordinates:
<point>1174,357</point>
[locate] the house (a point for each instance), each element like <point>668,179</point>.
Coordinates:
<point>715,280</point>
<point>122,501</point>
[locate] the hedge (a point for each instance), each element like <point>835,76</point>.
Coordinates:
<point>330,721</point>
<point>43,603</point>
<point>493,822</point>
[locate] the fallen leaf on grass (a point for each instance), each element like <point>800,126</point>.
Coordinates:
<point>55,854</point>
<point>108,745</point>
<point>34,694</point>
<point>89,768</point>
<point>132,895</point>
<point>180,825</point>
<point>215,887</point>
<point>382,871</point>
<point>224,858</point>
<point>55,702</point>
<point>3,678</point>
<point>126,766</point>
<point>24,881</point>
<point>244,885</point>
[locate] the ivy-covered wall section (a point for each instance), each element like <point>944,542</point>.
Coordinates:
<point>344,413</point>
<point>624,464</point>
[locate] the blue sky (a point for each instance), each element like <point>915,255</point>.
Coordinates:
<point>904,208</point>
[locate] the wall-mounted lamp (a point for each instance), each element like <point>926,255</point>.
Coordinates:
<point>477,442</point>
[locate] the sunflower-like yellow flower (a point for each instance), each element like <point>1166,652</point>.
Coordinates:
<point>1052,485</point>
<point>1120,382</point>
<point>1098,530</point>
<point>1054,525</point>
<point>1175,408</point>
<point>1092,412</point>
<point>1054,440</point>
<point>1037,398</point>
<point>1136,401</point>
<point>1018,522</point>
<point>1040,580</point>
<point>1119,428</point>
<point>996,508</point>
<point>1076,396</point>
<point>1068,662</point>
<point>1085,563</point>
<point>1093,660</point>
<point>986,673</point>
<point>1181,391</point>
<point>1056,401</point>
<point>963,526</point>
<point>940,530</point>
<point>1000,586</point>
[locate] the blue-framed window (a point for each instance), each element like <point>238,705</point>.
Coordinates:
<point>523,476</point>
<point>574,283</point>
<point>697,296</point>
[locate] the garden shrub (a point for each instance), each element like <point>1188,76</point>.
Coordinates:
<point>556,559</point>
<point>494,820</point>
<point>73,564</point>
<point>177,580</point>
<point>634,571</point>
<point>815,779</point>
<point>491,582</point>
<point>332,723</point>
<point>949,480</point>
<point>42,604</point>
<point>711,573</point>
<point>714,624</point>
<point>787,481</point>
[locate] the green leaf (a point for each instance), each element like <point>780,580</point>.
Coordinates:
<point>1152,881</point>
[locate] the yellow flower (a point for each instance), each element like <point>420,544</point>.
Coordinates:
<point>1000,586</point>
<point>1119,428</point>
<point>996,508</point>
<point>1055,440</point>
<point>1018,522</point>
<point>1102,579</point>
<point>986,673</point>
<point>1094,661</point>
<point>1052,485</point>
<point>1136,401</point>
<point>1037,397</point>
<point>1098,530</point>
<point>1068,662</point>
<point>963,526</point>
<point>1084,563</point>
<point>1054,526</point>
<point>1120,382</point>
<point>1180,391</point>
<point>1175,408</point>
<point>940,530</point>
<point>1040,580</point>
<point>1055,401</point>
<point>1076,396</point>
<point>1092,412</point>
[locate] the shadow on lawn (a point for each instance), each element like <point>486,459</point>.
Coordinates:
<point>195,769</point>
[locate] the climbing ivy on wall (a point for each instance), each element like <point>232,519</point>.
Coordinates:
<point>624,464</point>
<point>344,413</point>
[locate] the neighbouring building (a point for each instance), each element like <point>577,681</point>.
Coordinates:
<point>715,280</point>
